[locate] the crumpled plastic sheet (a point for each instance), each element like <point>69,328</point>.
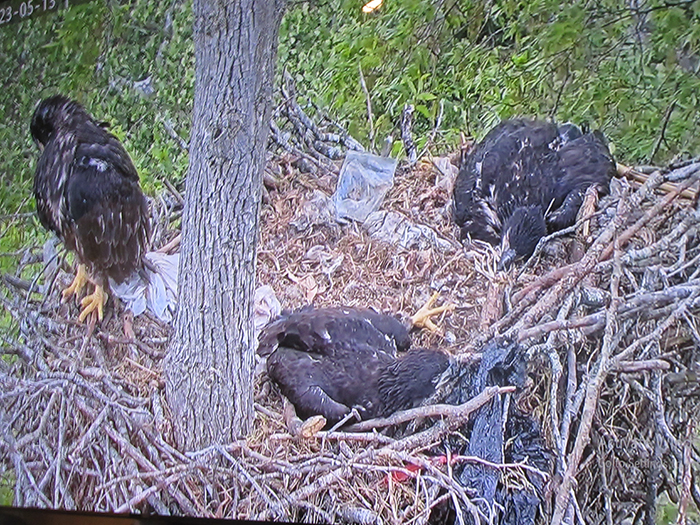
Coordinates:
<point>266,307</point>
<point>319,210</point>
<point>155,290</point>
<point>447,173</point>
<point>364,180</point>
<point>395,229</point>
<point>501,433</point>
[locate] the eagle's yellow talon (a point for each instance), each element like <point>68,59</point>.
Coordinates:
<point>312,426</point>
<point>78,283</point>
<point>95,301</point>
<point>421,318</point>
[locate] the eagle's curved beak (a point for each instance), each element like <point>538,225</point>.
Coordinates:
<point>506,259</point>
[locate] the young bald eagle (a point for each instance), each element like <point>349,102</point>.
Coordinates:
<point>328,361</point>
<point>87,192</point>
<point>526,178</point>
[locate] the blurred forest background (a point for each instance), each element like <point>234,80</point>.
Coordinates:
<point>629,68</point>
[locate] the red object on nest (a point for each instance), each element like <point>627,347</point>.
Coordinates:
<point>410,469</point>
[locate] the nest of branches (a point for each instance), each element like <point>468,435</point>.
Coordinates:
<point>607,313</point>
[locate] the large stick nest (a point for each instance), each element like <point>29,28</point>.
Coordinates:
<point>608,318</point>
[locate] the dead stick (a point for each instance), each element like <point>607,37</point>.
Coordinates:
<point>591,401</point>
<point>171,245</point>
<point>445,426</point>
<point>19,283</point>
<point>409,443</point>
<point>185,503</point>
<point>662,133</point>
<point>564,324</point>
<point>695,489</point>
<point>361,437</point>
<point>253,483</point>
<point>34,436</point>
<point>570,408</point>
<point>406,135</point>
<point>142,476</point>
<point>687,479</point>
<point>649,304</point>
<point>60,453</point>
<point>370,115</point>
<point>680,310</point>
<point>499,466</point>
<point>667,187</point>
<point>170,128</point>
<point>545,281</point>
<point>663,244</point>
<point>441,410</point>
<point>178,196</point>
<point>631,367</point>
<point>128,449</point>
<point>555,364</point>
<point>143,495</point>
<point>652,212</point>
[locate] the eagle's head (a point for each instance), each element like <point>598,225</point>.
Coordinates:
<point>521,233</point>
<point>49,115</point>
<point>568,132</point>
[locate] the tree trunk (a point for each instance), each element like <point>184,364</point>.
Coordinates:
<point>209,368</point>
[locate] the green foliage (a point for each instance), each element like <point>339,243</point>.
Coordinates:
<point>131,63</point>
<point>467,63</point>
<point>7,482</point>
<point>596,63</point>
<point>667,511</point>
<point>106,55</point>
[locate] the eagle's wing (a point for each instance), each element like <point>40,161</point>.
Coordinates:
<point>583,162</point>
<point>329,385</point>
<point>52,173</point>
<point>87,191</point>
<point>326,331</point>
<point>105,205</point>
<point>492,179</point>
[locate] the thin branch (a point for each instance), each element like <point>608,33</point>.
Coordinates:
<point>443,411</point>
<point>591,399</point>
<point>662,132</point>
<point>407,134</point>
<point>370,116</point>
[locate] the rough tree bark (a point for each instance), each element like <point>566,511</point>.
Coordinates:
<point>209,368</point>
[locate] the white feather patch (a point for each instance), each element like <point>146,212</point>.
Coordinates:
<point>100,164</point>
